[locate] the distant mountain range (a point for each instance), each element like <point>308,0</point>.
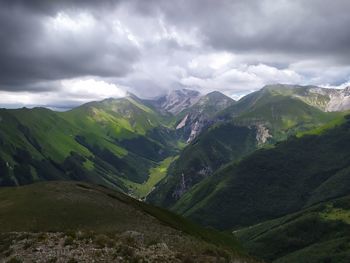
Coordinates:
<point>117,142</point>
<point>259,119</point>
<point>277,155</point>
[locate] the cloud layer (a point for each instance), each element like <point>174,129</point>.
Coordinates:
<point>48,48</point>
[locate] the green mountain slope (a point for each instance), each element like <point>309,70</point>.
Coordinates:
<point>82,209</point>
<point>278,111</point>
<point>273,182</point>
<point>317,234</point>
<point>104,142</point>
<point>258,120</point>
<point>220,144</point>
<point>310,95</point>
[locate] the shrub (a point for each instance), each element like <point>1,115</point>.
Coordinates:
<point>103,241</point>
<point>69,241</point>
<point>14,260</point>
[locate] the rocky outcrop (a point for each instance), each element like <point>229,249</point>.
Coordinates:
<point>176,101</point>
<point>339,101</point>
<point>196,128</point>
<point>60,247</point>
<point>202,114</point>
<point>89,247</point>
<point>326,99</point>
<point>262,134</point>
<point>187,182</point>
<point>182,123</point>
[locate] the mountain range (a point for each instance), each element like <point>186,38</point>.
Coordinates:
<point>263,167</point>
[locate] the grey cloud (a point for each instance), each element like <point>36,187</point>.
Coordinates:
<point>307,28</point>
<point>51,6</point>
<point>278,33</point>
<point>29,54</point>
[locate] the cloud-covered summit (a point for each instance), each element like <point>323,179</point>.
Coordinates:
<point>48,48</point>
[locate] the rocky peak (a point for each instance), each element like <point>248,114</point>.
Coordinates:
<point>217,99</point>
<point>177,100</point>
<point>201,114</point>
<point>346,91</point>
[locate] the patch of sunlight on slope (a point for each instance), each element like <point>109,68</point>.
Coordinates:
<point>320,130</point>
<point>156,174</point>
<point>139,105</point>
<point>88,165</point>
<point>333,213</point>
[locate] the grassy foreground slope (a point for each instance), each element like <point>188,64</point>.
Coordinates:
<point>320,233</point>
<point>270,183</point>
<point>70,207</point>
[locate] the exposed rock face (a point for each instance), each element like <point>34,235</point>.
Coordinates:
<point>196,128</point>
<point>187,181</point>
<point>333,99</point>
<point>262,134</point>
<point>322,98</point>
<point>339,100</point>
<point>195,112</point>
<point>193,124</point>
<point>181,188</point>
<point>182,123</point>
<point>202,114</point>
<point>177,100</point>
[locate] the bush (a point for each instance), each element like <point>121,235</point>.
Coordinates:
<point>103,241</point>
<point>69,241</point>
<point>14,260</point>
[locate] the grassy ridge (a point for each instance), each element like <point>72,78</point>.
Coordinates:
<point>218,145</point>
<point>317,234</point>
<point>273,182</point>
<point>109,142</point>
<point>258,120</point>
<point>69,206</point>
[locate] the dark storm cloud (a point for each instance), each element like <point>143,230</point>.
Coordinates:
<point>162,37</point>
<point>306,28</point>
<point>30,53</point>
<point>51,6</point>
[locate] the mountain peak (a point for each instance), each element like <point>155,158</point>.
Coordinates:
<point>346,91</point>
<point>177,100</point>
<point>131,95</point>
<point>217,95</point>
<point>183,93</point>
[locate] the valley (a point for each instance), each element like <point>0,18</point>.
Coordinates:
<point>195,131</point>
<point>260,169</point>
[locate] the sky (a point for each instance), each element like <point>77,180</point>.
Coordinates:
<point>60,54</point>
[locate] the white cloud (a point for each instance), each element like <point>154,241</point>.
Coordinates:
<point>90,89</point>
<point>236,79</point>
<point>64,22</point>
<point>341,86</point>
<point>72,92</point>
<point>270,74</point>
<point>74,55</point>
